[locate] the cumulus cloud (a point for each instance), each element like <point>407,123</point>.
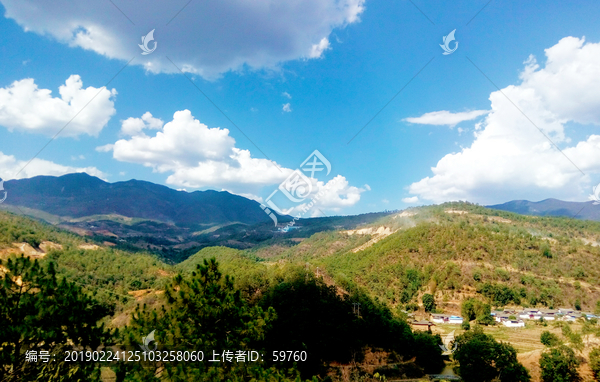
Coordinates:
<point>446,118</point>
<point>135,126</point>
<point>334,195</point>
<point>207,37</point>
<point>195,155</point>
<point>317,49</point>
<point>286,95</point>
<point>411,200</point>
<point>509,158</point>
<point>10,166</point>
<point>23,106</point>
<point>287,108</point>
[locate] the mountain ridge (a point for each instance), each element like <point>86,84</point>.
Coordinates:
<point>79,195</point>
<point>552,207</point>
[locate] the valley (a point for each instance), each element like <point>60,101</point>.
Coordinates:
<point>453,252</point>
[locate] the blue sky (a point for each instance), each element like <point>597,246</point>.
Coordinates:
<point>336,63</point>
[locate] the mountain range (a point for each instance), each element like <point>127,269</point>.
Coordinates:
<point>552,207</point>
<point>80,195</point>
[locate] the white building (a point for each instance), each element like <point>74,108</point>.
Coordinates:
<point>514,323</point>
<point>446,319</point>
<point>455,320</point>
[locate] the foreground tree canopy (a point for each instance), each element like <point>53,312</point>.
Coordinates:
<point>206,312</point>
<point>40,313</point>
<point>481,358</point>
<point>559,364</point>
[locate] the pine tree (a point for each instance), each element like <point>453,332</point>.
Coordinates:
<point>204,313</point>
<point>40,313</point>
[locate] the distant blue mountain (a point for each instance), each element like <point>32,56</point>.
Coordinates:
<point>80,195</point>
<point>552,207</point>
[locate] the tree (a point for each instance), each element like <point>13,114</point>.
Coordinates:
<point>38,312</point>
<point>428,302</point>
<point>312,316</point>
<point>205,313</point>
<point>428,352</point>
<point>545,250</point>
<point>595,362</point>
<point>550,339</point>
<point>481,358</point>
<point>559,364</point>
<point>473,308</point>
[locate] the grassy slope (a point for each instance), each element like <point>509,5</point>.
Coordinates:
<point>453,255</point>
<point>450,255</point>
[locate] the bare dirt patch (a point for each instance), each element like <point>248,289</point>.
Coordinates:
<point>499,219</point>
<point>91,247</point>
<point>162,272</point>
<point>405,214</point>
<point>378,234</point>
<point>47,246</point>
<point>531,361</point>
<point>459,212</point>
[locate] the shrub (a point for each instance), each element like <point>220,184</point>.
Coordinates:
<point>559,364</point>
<point>545,251</point>
<point>428,302</point>
<point>595,363</point>
<point>481,358</point>
<point>550,339</point>
<point>473,308</point>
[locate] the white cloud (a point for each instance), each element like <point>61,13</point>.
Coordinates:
<point>446,118</point>
<point>10,166</point>
<point>509,158</point>
<point>287,95</point>
<point>385,201</point>
<point>334,195</point>
<point>248,196</point>
<point>318,49</point>
<point>23,106</point>
<point>195,155</point>
<point>207,38</point>
<point>287,108</point>
<point>105,148</point>
<point>411,200</point>
<point>135,126</point>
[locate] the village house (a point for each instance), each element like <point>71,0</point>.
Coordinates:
<point>423,325</point>
<point>446,319</point>
<point>514,323</point>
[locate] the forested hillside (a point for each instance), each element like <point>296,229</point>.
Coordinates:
<point>302,292</point>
